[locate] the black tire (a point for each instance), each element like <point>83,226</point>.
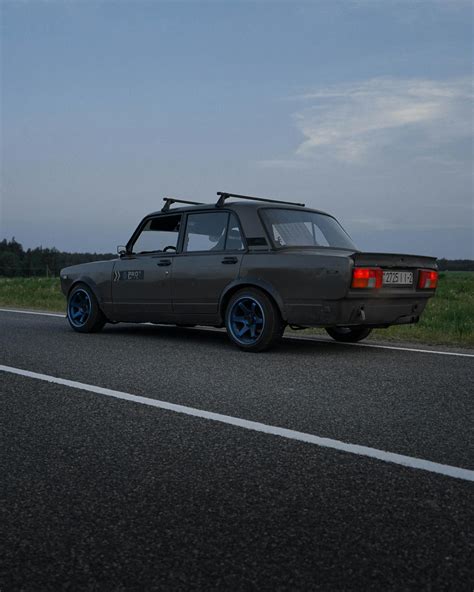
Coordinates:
<point>253,321</point>
<point>83,311</point>
<point>349,334</point>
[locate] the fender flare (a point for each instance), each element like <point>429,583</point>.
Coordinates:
<point>251,282</point>
<point>85,279</point>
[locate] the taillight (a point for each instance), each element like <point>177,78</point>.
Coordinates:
<point>367,277</point>
<point>427,279</point>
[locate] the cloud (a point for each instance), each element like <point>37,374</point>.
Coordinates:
<point>357,122</point>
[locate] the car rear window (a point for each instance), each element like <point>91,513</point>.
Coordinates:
<point>300,228</point>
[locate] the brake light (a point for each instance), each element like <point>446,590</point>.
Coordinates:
<point>427,279</point>
<point>367,277</point>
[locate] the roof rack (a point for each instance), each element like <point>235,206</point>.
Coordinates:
<point>171,200</point>
<point>223,196</point>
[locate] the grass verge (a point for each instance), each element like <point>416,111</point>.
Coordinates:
<point>448,318</point>
<point>34,293</point>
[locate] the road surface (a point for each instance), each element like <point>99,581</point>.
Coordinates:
<point>285,470</point>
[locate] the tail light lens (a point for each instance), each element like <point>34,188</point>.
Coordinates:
<point>367,277</point>
<point>427,279</point>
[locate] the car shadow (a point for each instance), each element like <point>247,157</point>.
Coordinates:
<point>211,336</point>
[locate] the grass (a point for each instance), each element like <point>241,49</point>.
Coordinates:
<point>448,318</point>
<point>34,293</point>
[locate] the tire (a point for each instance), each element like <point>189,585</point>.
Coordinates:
<point>253,321</point>
<point>83,311</point>
<point>349,334</point>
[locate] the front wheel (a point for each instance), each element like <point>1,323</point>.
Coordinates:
<point>253,320</point>
<point>83,311</point>
<point>349,334</point>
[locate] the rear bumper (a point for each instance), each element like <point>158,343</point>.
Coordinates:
<point>377,312</point>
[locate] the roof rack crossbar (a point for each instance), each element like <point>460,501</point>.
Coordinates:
<point>171,200</point>
<point>224,195</point>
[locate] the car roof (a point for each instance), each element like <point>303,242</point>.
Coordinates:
<point>237,206</point>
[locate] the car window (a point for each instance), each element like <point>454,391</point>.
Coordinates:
<point>294,228</point>
<point>206,232</point>
<point>157,234</point>
<point>234,236</point>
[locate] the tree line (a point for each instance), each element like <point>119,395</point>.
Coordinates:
<point>15,261</point>
<point>456,264</point>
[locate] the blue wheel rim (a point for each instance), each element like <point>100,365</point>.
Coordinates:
<point>246,320</point>
<point>79,308</point>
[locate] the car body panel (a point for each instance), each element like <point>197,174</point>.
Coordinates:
<point>97,275</point>
<point>141,287</point>
<point>310,285</point>
<point>199,279</point>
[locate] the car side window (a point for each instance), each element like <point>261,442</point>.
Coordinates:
<point>206,232</point>
<point>234,236</point>
<point>157,234</point>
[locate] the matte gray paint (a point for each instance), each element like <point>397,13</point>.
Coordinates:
<point>311,286</point>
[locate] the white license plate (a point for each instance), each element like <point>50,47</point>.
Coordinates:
<point>398,278</point>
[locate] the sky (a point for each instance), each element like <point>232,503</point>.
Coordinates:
<point>359,108</point>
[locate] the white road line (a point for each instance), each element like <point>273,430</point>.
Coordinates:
<point>34,312</point>
<point>390,457</point>
<point>376,346</point>
<point>297,337</point>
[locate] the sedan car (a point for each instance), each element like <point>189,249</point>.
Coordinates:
<point>253,265</point>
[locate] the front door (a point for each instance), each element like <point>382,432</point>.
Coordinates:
<point>141,280</point>
<point>210,260</point>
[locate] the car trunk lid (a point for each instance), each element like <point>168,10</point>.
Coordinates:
<point>393,261</point>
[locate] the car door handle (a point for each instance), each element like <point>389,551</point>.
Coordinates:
<point>164,262</point>
<point>229,260</point>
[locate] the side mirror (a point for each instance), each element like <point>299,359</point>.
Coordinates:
<point>121,250</point>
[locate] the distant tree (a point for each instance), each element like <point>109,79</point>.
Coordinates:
<point>456,264</point>
<point>10,264</point>
<point>14,260</point>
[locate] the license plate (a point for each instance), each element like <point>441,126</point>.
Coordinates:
<point>398,278</point>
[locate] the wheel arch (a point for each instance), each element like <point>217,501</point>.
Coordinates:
<point>262,285</point>
<point>89,282</point>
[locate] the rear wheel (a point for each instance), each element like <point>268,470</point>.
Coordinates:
<point>83,311</point>
<point>349,334</point>
<point>253,321</point>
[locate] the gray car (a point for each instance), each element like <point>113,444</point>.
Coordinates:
<point>253,265</point>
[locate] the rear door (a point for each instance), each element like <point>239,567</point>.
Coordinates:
<point>212,251</point>
<point>141,281</point>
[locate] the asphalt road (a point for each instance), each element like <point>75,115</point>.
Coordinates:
<point>99,493</point>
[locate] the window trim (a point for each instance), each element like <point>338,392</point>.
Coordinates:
<point>242,235</point>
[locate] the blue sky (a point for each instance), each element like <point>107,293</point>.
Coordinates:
<point>360,108</point>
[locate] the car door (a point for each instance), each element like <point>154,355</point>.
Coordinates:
<point>210,259</point>
<point>141,280</point>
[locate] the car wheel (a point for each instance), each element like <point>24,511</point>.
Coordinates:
<point>83,311</point>
<point>349,334</point>
<point>253,321</point>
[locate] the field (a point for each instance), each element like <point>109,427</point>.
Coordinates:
<point>448,318</point>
